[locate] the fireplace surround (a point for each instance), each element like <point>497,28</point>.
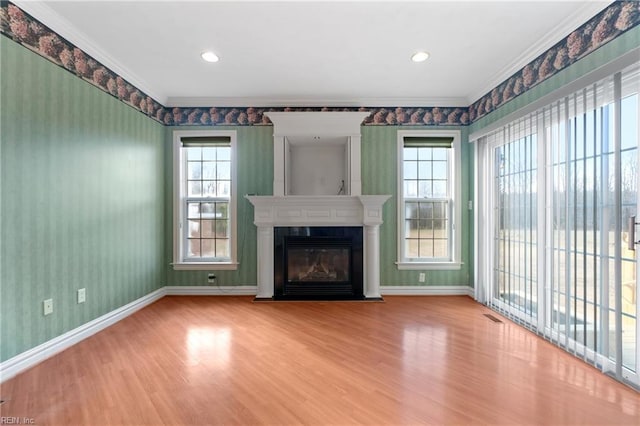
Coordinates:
<point>318,263</point>
<point>317,183</point>
<point>364,211</point>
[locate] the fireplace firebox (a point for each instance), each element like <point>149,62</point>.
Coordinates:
<point>316,263</point>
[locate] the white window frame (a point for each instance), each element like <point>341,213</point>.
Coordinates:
<point>564,108</point>
<point>455,217</point>
<point>179,198</point>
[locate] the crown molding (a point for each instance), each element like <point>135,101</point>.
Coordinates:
<point>584,12</point>
<point>263,102</point>
<point>43,13</point>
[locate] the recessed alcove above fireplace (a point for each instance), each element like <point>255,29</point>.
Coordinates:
<point>317,184</point>
<point>316,153</point>
<point>317,166</point>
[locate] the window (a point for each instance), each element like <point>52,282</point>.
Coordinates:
<point>515,213</point>
<point>204,200</point>
<point>560,188</point>
<point>428,208</point>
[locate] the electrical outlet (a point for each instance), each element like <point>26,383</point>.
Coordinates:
<point>211,278</point>
<point>82,295</point>
<point>47,306</point>
<point>422,277</point>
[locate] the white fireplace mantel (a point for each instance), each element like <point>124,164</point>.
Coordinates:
<point>363,210</point>
<point>298,210</point>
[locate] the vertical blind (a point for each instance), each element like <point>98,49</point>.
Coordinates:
<point>563,185</point>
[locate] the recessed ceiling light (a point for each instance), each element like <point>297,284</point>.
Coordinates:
<point>209,56</point>
<point>420,57</point>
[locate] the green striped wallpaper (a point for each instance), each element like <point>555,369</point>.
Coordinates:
<point>379,176</point>
<point>255,176</point>
<point>86,196</point>
<point>82,200</point>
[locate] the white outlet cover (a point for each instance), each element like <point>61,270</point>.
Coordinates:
<point>47,306</point>
<point>82,295</point>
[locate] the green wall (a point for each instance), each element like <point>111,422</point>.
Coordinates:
<point>255,176</point>
<point>379,176</point>
<point>82,201</point>
<point>86,196</point>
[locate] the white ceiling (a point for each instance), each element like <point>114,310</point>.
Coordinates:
<point>328,53</point>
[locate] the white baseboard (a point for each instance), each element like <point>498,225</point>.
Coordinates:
<point>244,290</point>
<point>434,290</point>
<point>33,356</point>
<point>442,290</point>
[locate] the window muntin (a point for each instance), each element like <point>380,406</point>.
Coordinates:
<point>515,212</point>
<point>204,210</point>
<point>426,198</point>
<point>428,192</point>
<point>208,188</point>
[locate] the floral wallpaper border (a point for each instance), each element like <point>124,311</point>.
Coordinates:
<point>611,22</point>
<point>614,20</point>
<point>378,115</point>
<point>31,33</point>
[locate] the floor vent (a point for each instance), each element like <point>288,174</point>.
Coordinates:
<point>492,318</point>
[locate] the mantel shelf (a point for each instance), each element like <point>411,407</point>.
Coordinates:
<point>323,210</point>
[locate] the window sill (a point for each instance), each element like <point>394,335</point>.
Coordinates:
<point>443,266</point>
<point>210,266</point>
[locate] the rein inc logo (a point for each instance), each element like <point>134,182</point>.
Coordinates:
<point>17,420</point>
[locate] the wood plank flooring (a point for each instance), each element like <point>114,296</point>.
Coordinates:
<point>227,360</point>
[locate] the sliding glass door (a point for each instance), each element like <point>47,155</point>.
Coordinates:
<point>629,310</point>
<point>515,236</point>
<point>563,187</point>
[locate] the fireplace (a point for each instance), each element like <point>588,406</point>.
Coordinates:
<point>317,190</point>
<point>312,263</point>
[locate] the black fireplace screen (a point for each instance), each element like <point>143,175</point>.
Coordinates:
<point>318,264</point>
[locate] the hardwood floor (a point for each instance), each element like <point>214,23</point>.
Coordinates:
<point>227,360</point>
